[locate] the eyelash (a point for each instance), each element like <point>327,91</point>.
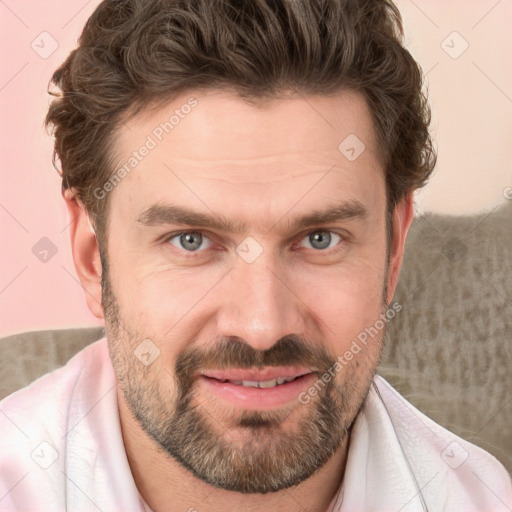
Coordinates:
<point>193,254</point>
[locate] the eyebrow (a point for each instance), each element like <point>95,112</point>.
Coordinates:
<point>163,214</point>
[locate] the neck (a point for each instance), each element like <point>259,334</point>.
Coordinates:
<point>162,481</point>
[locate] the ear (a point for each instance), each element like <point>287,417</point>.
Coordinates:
<point>403,215</point>
<point>86,255</point>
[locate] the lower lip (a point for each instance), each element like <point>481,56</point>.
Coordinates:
<point>258,398</point>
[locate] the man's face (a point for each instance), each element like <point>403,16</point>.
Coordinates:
<point>228,308</point>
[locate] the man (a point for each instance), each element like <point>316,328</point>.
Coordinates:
<point>240,177</point>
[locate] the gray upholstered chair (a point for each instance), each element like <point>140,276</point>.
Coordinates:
<point>448,351</point>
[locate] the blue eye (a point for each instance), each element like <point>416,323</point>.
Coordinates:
<point>190,241</point>
<point>322,240</point>
<point>196,241</point>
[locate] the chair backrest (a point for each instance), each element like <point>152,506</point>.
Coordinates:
<point>26,356</point>
<point>449,350</point>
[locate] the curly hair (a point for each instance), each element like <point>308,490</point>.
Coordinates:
<point>137,53</point>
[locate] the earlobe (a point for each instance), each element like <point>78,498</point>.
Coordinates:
<point>403,215</point>
<point>85,251</point>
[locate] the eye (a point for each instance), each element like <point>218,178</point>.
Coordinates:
<point>190,241</point>
<point>322,239</point>
<point>196,241</point>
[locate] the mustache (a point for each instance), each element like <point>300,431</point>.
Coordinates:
<point>232,352</point>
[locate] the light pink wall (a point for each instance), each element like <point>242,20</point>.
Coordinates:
<point>471,96</point>
<point>34,294</point>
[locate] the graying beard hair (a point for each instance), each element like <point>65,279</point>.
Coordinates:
<point>187,438</point>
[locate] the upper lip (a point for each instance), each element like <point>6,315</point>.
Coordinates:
<point>256,375</point>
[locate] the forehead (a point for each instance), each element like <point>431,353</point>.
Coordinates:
<point>211,147</point>
<point>218,118</point>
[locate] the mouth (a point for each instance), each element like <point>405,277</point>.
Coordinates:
<point>264,389</point>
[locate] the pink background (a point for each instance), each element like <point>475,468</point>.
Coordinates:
<point>471,96</point>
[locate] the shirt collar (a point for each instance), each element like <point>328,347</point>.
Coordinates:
<point>377,476</point>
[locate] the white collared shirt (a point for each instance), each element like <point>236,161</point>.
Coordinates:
<point>61,448</point>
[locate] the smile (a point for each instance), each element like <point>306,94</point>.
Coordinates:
<point>259,389</point>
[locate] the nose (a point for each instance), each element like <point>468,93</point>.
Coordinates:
<point>257,304</point>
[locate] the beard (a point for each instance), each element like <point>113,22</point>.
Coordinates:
<point>246,451</point>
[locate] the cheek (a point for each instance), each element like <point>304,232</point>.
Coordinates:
<point>346,302</point>
<point>169,307</point>
<point>142,289</point>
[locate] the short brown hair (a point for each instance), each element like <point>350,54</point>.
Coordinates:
<point>133,53</point>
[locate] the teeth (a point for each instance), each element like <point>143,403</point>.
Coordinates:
<point>261,384</point>
<point>268,384</point>
<point>257,384</point>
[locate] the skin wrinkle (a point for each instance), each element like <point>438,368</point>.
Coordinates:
<point>276,180</point>
<point>182,173</point>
